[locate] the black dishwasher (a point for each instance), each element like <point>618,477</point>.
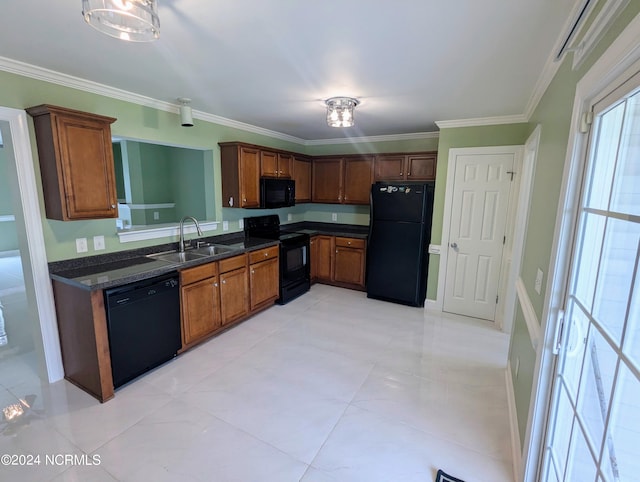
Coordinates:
<point>143,321</point>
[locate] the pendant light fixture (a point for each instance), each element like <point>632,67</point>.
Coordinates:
<point>340,111</point>
<point>186,115</point>
<point>132,20</point>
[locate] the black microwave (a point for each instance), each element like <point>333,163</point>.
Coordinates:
<point>277,193</point>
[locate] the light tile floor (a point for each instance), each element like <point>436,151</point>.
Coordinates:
<point>330,387</point>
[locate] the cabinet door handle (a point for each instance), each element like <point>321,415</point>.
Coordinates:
<point>113,206</point>
<point>266,254</point>
<point>224,281</point>
<point>215,285</point>
<point>401,173</point>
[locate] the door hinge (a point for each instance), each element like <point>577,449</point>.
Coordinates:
<point>585,121</point>
<point>497,299</point>
<point>504,240</point>
<point>557,339</point>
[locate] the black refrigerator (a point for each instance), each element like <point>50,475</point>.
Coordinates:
<point>399,236</point>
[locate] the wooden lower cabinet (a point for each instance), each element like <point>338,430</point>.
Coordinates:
<point>349,261</point>
<point>213,296</point>
<point>338,261</point>
<point>199,302</point>
<point>84,339</point>
<point>264,277</point>
<point>234,295</point>
<point>322,258</point>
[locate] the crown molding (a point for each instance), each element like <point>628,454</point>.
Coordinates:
<point>390,137</point>
<point>47,75</point>
<point>483,121</point>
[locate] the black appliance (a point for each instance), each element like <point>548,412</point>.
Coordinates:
<point>143,321</point>
<point>294,254</point>
<point>399,236</point>
<point>277,193</point>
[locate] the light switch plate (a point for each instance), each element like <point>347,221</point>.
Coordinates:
<point>225,225</point>
<point>289,217</point>
<point>334,216</point>
<point>241,223</point>
<point>81,245</point>
<point>98,243</point>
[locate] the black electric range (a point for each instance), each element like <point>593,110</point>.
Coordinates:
<point>294,254</point>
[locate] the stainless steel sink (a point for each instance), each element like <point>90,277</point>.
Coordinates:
<point>213,249</point>
<point>177,256</point>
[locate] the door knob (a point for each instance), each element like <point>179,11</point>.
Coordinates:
<point>454,245</point>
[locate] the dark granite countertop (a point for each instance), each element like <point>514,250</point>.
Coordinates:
<point>123,267</point>
<point>117,269</point>
<point>332,229</point>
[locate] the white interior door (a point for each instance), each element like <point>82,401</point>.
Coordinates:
<point>593,430</point>
<point>482,183</point>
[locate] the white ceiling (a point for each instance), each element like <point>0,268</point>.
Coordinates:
<point>272,63</point>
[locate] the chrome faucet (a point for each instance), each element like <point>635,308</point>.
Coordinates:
<point>181,245</point>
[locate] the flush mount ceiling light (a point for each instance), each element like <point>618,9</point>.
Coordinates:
<point>340,111</point>
<point>133,20</point>
<point>186,116</point>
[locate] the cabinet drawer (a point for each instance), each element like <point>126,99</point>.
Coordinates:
<point>350,242</point>
<point>230,264</point>
<point>197,273</point>
<point>263,254</point>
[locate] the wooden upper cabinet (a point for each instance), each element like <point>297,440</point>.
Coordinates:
<point>407,167</point>
<point>327,180</point>
<point>240,175</point>
<point>268,163</point>
<point>389,167</point>
<point>275,164</point>
<point>421,167</point>
<point>76,163</point>
<point>302,177</point>
<point>285,165</point>
<point>358,177</point>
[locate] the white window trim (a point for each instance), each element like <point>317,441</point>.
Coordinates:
<point>620,60</point>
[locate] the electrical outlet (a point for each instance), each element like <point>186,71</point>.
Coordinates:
<point>334,216</point>
<point>289,217</point>
<point>538,284</point>
<point>241,224</point>
<point>225,225</point>
<point>156,215</point>
<point>81,245</point>
<point>98,243</point>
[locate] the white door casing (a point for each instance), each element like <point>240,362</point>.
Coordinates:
<point>17,140</point>
<point>479,182</point>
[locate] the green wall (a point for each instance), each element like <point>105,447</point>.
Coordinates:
<point>160,127</point>
<point>483,136</point>
<point>553,114</point>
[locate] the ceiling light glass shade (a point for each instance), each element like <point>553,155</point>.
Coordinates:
<point>340,111</point>
<point>133,20</point>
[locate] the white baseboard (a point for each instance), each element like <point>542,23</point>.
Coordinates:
<point>432,305</point>
<point>516,452</point>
